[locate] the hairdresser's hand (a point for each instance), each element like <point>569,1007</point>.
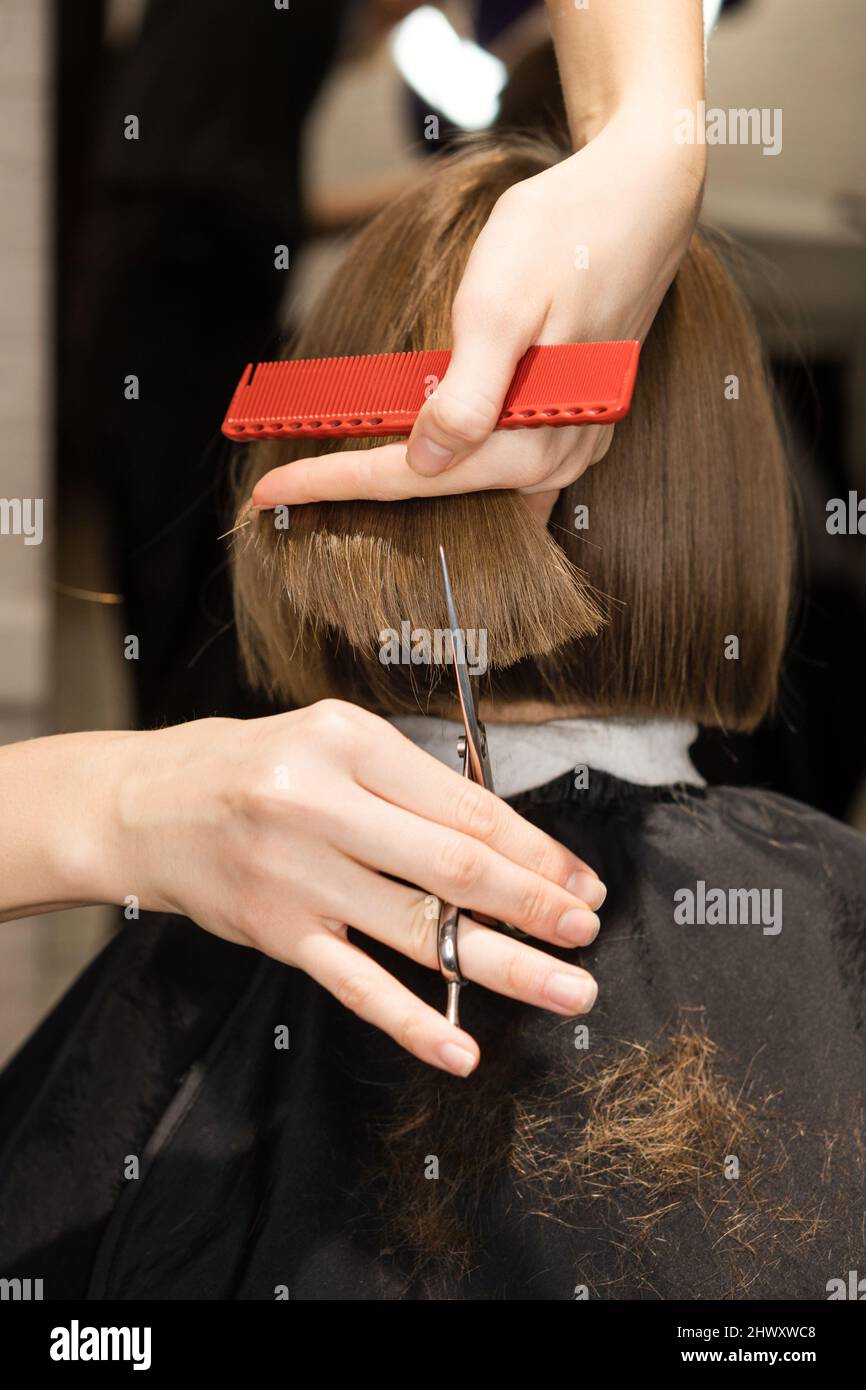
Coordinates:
<point>583,251</point>
<point>281,833</point>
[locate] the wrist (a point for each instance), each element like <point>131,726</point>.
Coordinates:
<point>165,806</point>
<point>646,134</point>
<point>84,846</point>
<point>652,170</point>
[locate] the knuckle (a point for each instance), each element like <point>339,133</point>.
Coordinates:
<point>537,465</point>
<point>355,993</point>
<point>520,977</point>
<point>458,864</point>
<point>516,195</point>
<point>533,904</point>
<point>477,813</point>
<point>466,421</point>
<point>551,862</point>
<point>509,207</point>
<point>409,1033</point>
<point>333,721</point>
<point>330,708</point>
<point>368,475</point>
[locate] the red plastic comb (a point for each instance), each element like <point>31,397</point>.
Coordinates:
<point>332,397</point>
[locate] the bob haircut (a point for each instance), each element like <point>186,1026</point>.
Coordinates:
<point>628,607</point>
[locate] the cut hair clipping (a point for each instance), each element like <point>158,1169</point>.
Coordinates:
<point>381,394</point>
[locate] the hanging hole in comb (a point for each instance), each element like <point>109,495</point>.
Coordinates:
<point>315,424</point>
<point>550,413</point>
<point>277,425</point>
<point>295,425</point>
<point>356,422</point>
<point>595,410</point>
<point>507,414</point>
<point>526,414</point>
<point>374,420</point>
<point>334,424</point>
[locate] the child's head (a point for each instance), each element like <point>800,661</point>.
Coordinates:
<point>662,583</point>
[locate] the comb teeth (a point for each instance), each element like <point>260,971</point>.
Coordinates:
<point>381,394</point>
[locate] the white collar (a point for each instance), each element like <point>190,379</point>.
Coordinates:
<point>649,752</point>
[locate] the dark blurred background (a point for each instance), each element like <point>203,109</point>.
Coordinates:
<point>153,258</point>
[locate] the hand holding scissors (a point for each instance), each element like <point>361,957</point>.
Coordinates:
<point>304,835</point>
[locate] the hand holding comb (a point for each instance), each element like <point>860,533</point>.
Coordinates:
<point>382,394</point>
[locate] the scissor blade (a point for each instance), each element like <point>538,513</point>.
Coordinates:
<point>464,685</point>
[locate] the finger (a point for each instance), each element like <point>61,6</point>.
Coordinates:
<point>603,443</point>
<point>522,972</point>
<point>361,984</point>
<point>462,413</point>
<point>582,446</point>
<point>379,474</point>
<point>510,458</point>
<point>413,780</point>
<point>488,340</point>
<point>463,870</point>
<point>407,920</point>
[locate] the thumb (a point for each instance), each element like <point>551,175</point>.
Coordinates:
<point>468,401</point>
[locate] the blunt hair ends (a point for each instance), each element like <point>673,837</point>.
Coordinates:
<point>662,585</point>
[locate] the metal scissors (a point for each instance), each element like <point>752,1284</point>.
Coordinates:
<point>472,748</point>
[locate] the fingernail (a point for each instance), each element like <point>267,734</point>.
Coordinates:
<point>577,926</point>
<point>457,1059</point>
<point>588,888</point>
<point>425,456</point>
<point>576,993</point>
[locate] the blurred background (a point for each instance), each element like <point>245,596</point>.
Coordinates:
<point>137,276</point>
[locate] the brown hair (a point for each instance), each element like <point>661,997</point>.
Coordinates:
<point>688,541</point>
<point>688,544</point>
<point>620,1141</point>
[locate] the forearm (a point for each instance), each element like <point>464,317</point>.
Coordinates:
<point>56,827</point>
<point>628,57</point>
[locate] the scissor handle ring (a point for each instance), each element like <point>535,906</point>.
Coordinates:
<point>446,938</point>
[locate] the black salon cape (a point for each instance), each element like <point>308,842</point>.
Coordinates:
<point>250,1154</point>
